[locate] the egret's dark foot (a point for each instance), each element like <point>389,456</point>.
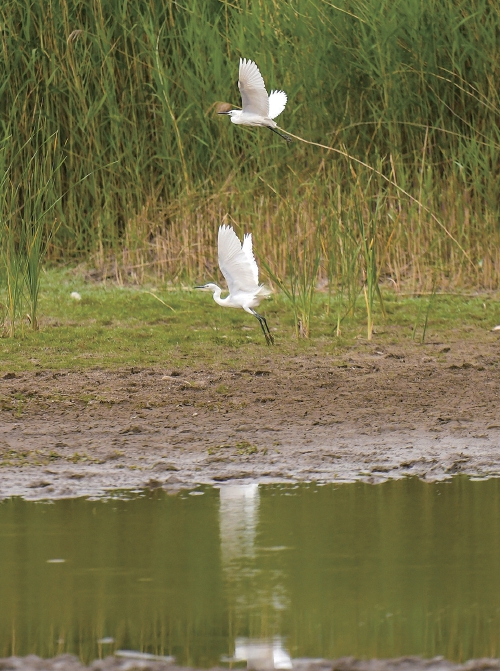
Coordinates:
<point>285,137</point>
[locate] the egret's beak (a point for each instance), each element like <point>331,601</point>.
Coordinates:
<point>224,112</point>
<point>202,286</point>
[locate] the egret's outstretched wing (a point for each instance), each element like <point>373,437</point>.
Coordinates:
<point>277,102</point>
<point>254,97</point>
<point>248,251</point>
<point>240,272</point>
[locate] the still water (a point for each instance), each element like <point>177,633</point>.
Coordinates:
<point>323,571</point>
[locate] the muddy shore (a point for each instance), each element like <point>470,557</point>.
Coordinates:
<point>71,663</point>
<point>374,413</point>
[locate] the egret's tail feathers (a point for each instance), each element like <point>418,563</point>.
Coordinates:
<point>277,103</point>
<point>264,291</point>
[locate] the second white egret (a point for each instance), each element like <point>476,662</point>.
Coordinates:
<point>259,109</point>
<point>238,265</point>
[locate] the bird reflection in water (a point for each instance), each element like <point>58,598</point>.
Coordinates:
<point>261,654</point>
<point>238,520</point>
<point>238,516</point>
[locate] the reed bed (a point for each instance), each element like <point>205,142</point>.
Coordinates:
<point>147,171</point>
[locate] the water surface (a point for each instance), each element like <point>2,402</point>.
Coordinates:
<point>393,569</point>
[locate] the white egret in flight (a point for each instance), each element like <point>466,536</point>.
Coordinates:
<point>239,268</point>
<point>259,109</point>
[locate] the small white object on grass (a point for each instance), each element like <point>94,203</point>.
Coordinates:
<point>76,296</point>
<point>238,265</point>
<point>496,328</point>
<point>259,109</point>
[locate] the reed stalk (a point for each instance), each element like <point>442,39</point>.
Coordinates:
<point>367,222</point>
<point>28,221</point>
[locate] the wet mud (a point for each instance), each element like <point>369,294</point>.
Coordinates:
<point>373,413</point>
<point>71,663</point>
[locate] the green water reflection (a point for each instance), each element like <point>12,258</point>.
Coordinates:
<point>387,570</point>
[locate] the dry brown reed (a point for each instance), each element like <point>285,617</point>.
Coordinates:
<point>173,242</point>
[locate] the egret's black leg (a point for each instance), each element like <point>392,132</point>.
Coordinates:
<point>271,337</point>
<point>285,137</point>
<point>265,328</point>
<point>268,341</point>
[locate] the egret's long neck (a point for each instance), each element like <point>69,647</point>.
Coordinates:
<point>217,298</point>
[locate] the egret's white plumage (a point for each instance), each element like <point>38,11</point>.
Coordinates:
<point>238,265</point>
<point>258,109</point>
<point>277,103</point>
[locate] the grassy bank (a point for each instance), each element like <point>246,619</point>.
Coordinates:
<point>108,111</point>
<point>157,325</point>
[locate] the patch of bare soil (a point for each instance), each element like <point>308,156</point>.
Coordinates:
<point>428,411</point>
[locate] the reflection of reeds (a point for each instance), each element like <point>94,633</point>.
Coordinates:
<point>402,568</point>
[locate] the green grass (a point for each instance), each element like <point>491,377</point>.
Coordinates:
<point>116,326</point>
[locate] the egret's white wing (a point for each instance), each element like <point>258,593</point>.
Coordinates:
<point>235,264</point>
<point>277,102</point>
<point>248,251</point>
<point>254,98</point>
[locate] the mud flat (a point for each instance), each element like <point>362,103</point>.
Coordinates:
<point>428,411</point>
<point>71,663</point>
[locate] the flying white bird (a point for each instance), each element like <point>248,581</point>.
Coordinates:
<point>259,109</point>
<point>239,268</point>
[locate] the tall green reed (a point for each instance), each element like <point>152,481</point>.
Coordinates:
<point>368,220</point>
<point>303,259</point>
<point>28,221</point>
<point>39,222</point>
<point>341,259</point>
<point>14,270</point>
<point>13,267</point>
